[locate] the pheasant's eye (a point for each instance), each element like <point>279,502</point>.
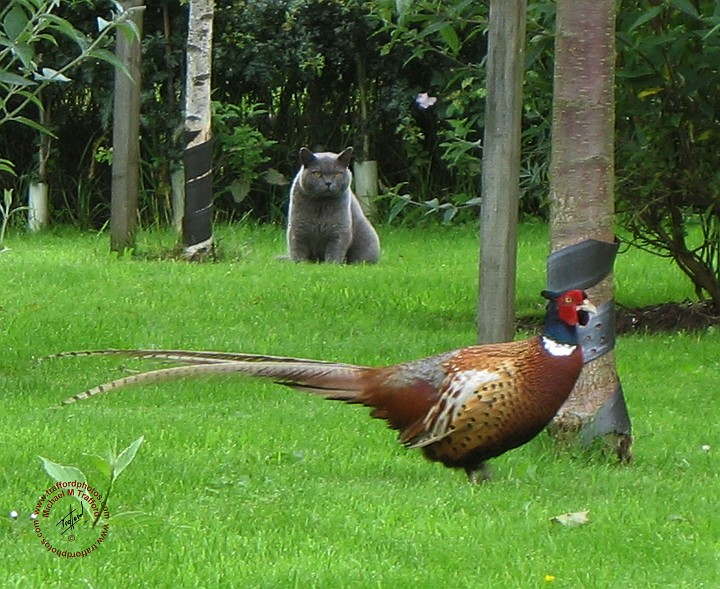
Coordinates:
<point>568,299</point>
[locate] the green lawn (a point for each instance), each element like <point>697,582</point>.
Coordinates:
<point>253,485</point>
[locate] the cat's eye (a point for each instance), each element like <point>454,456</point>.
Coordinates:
<point>317,174</point>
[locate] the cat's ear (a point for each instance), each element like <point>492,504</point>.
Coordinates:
<point>306,156</point>
<point>345,157</point>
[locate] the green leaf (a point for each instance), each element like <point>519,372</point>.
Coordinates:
<point>685,6</point>
<point>35,125</point>
<point>61,473</point>
<point>646,16</point>
<point>15,22</point>
<point>450,37</point>
<point>25,54</point>
<point>397,207</point>
<point>240,189</point>
<point>449,214</point>
<point>273,176</point>
<point>65,28</point>
<point>14,79</point>
<point>100,464</point>
<point>126,457</point>
<point>7,166</point>
<point>129,29</point>
<point>109,57</point>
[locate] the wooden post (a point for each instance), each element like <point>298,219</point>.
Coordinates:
<point>501,171</point>
<point>126,137</point>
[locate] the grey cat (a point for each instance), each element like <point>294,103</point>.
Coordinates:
<point>325,220</point>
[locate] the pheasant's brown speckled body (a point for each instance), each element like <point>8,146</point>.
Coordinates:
<point>516,391</point>
<point>461,408</point>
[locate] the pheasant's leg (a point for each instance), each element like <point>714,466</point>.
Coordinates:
<point>478,473</point>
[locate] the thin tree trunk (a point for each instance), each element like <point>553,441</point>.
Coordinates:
<point>126,137</point>
<point>38,214</point>
<point>582,192</point>
<point>501,171</point>
<point>365,170</point>
<point>197,220</point>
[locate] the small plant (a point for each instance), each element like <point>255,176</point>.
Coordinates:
<point>400,200</point>
<point>110,466</point>
<point>241,148</point>
<point>5,211</point>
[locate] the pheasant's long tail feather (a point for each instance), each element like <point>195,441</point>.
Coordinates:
<point>186,357</point>
<point>342,382</point>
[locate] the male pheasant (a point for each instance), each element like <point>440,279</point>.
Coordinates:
<point>460,408</point>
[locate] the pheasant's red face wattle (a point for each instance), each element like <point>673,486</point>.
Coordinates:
<point>573,307</point>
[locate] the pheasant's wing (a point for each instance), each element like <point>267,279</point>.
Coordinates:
<point>472,378</point>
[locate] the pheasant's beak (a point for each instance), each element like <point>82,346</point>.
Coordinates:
<point>588,306</point>
<point>584,310</point>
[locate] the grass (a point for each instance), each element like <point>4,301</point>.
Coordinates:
<point>253,485</point>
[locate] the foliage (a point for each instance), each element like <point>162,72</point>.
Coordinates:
<point>240,149</point>
<point>443,132</point>
<point>110,467</point>
<point>26,26</point>
<point>404,83</point>
<point>668,141</point>
<point>39,50</point>
<point>6,211</point>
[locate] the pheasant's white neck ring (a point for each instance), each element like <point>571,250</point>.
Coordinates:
<point>557,349</point>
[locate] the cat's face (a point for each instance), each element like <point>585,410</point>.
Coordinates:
<point>325,174</point>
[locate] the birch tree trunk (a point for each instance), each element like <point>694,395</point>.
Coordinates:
<point>126,136</point>
<point>582,193</point>
<point>501,171</point>
<point>197,219</point>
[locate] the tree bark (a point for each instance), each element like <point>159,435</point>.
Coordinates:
<point>197,220</point>
<point>500,187</point>
<point>582,188</point>
<point>126,137</point>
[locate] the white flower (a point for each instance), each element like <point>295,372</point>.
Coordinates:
<point>424,101</point>
<point>705,447</point>
<point>14,514</point>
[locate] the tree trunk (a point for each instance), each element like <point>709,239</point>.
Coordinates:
<point>126,137</point>
<point>365,170</point>
<point>501,171</point>
<point>197,220</point>
<point>38,214</point>
<point>582,200</point>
